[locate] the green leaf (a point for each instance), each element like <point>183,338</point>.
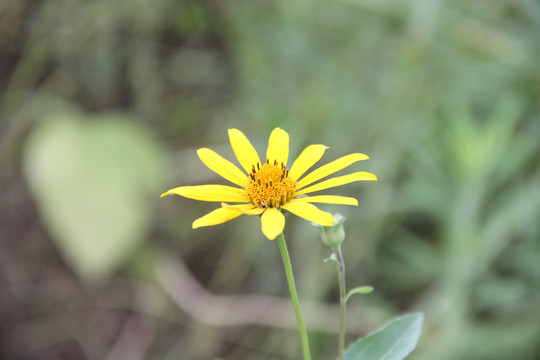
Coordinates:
<point>93,180</point>
<point>333,259</point>
<point>393,342</point>
<point>359,290</point>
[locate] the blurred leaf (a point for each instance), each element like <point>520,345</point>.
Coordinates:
<point>500,295</point>
<point>394,342</point>
<point>91,179</point>
<point>510,339</point>
<point>409,260</point>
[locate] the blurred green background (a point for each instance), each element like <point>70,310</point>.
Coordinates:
<point>104,103</point>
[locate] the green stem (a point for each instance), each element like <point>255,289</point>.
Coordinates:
<point>294,296</point>
<point>342,301</point>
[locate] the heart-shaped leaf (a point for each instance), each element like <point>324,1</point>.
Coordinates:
<point>393,342</point>
<point>92,180</point>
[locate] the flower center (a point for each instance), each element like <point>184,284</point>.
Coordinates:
<point>270,185</point>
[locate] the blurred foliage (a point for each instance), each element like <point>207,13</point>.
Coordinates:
<point>96,203</point>
<point>444,96</point>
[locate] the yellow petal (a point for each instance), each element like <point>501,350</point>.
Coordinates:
<point>272,223</point>
<point>338,181</point>
<point>210,193</point>
<point>307,159</point>
<point>247,209</point>
<point>222,167</point>
<point>244,151</point>
<point>330,168</point>
<point>218,216</point>
<point>309,212</point>
<point>328,199</point>
<point>278,146</point>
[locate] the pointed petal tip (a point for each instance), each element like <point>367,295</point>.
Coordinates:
<point>337,181</point>
<point>201,150</point>
<point>222,166</point>
<point>216,217</point>
<point>271,236</point>
<point>309,156</point>
<point>310,213</point>
<point>234,131</point>
<point>330,168</point>
<point>361,156</point>
<point>327,199</point>
<point>328,221</point>
<point>164,194</point>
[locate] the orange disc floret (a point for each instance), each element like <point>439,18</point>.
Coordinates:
<point>270,185</point>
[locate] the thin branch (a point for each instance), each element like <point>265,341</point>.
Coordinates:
<point>236,310</point>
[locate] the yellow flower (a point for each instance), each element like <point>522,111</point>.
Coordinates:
<point>270,186</point>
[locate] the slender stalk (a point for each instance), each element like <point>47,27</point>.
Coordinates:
<point>342,301</point>
<point>294,296</point>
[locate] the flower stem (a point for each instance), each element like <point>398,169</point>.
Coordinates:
<point>342,301</point>
<point>294,296</point>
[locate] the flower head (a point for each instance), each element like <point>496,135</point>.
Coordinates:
<point>270,186</point>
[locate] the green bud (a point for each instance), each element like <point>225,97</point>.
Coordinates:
<point>333,235</point>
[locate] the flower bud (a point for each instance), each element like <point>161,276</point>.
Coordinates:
<point>333,235</point>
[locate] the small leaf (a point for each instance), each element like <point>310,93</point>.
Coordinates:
<point>393,342</point>
<point>333,259</point>
<point>359,290</point>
